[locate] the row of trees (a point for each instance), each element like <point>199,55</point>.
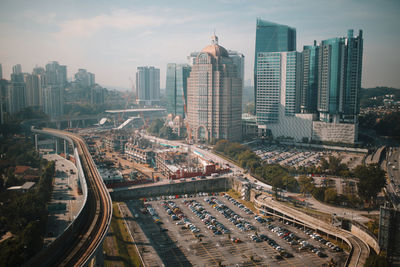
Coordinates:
<point>273,174</point>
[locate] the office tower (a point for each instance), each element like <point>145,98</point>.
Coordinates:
<point>272,37</point>
<point>84,78</point>
<point>278,96</point>
<point>309,85</point>
<point>1,72</point>
<point>176,88</point>
<point>56,74</point>
<point>214,96</point>
<point>147,86</point>
<point>339,78</point>
<point>192,58</point>
<point>32,90</point>
<point>16,93</point>
<point>238,61</point>
<point>17,69</point>
<point>53,100</point>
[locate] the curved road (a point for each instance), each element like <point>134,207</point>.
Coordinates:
<point>79,248</point>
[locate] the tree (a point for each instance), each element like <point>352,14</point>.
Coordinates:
<point>155,127</point>
<point>372,180</point>
<point>330,195</point>
<point>306,184</point>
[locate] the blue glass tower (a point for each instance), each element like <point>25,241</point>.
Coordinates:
<point>272,37</point>
<point>309,85</point>
<point>176,88</point>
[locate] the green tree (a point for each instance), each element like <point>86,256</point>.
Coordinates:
<point>372,180</point>
<point>306,184</point>
<point>330,195</point>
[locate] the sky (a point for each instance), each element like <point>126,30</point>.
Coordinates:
<point>112,38</point>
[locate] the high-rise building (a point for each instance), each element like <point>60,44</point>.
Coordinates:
<point>1,72</point>
<point>176,88</point>
<point>41,74</point>
<point>272,37</point>
<point>309,84</point>
<point>238,61</point>
<point>84,78</point>
<point>3,98</point>
<point>147,86</point>
<point>32,90</point>
<point>97,95</point>
<point>339,78</point>
<point>17,69</point>
<point>214,96</point>
<point>53,100</point>
<point>16,93</point>
<point>56,74</point>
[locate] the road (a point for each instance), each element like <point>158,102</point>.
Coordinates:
<point>393,182</point>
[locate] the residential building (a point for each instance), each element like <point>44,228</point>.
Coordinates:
<point>84,78</point>
<point>32,90</point>
<point>16,93</point>
<point>272,37</point>
<point>53,100</point>
<point>56,74</point>
<point>214,96</point>
<point>176,88</point>
<point>147,86</point>
<point>97,95</point>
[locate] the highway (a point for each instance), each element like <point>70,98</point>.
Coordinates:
<point>83,241</point>
<point>393,171</point>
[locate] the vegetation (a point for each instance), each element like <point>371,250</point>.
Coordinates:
<point>158,128</point>
<point>126,250</point>
<point>77,109</point>
<point>22,214</point>
<point>273,174</point>
<point>372,181</point>
<point>334,166</point>
<point>376,260</point>
<point>374,96</point>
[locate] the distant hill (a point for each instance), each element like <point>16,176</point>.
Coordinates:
<point>366,95</point>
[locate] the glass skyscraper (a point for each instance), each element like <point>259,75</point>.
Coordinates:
<point>272,37</point>
<point>176,88</point>
<point>278,86</point>
<point>309,85</point>
<point>339,78</point>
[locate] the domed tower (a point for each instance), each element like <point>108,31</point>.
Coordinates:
<point>214,96</point>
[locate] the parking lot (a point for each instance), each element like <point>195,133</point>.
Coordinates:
<point>208,230</point>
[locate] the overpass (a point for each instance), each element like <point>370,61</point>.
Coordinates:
<point>83,239</point>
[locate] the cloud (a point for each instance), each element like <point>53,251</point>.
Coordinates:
<point>120,19</point>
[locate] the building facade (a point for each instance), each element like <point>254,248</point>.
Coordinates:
<point>176,88</point>
<point>16,94</point>
<point>214,96</point>
<point>309,83</point>
<point>272,37</point>
<point>147,86</point>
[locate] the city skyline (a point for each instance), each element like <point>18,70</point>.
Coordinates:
<point>112,40</point>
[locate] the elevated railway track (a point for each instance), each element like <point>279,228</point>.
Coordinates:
<point>80,242</point>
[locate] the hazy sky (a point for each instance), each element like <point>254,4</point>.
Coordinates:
<point>112,38</point>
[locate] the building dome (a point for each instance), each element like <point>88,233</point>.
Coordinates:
<point>215,49</point>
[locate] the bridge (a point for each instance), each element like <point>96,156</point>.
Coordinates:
<point>82,240</point>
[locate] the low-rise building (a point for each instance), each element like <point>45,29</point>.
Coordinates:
<point>140,155</point>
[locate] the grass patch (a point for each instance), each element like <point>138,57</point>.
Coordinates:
<point>126,249</point>
<point>236,195</point>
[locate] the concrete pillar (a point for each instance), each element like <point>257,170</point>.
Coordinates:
<point>66,149</point>
<point>56,144</point>
<point>36,142</point>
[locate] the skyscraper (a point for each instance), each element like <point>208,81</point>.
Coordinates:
<point>84,78</point>
<point>278,96</point>
<point>339,78</point>
<point>16,93</point>
<point>53,100</point>
<point>56,74</point>
<point>214,96</point>
<point>238,61</point>
<point>309,85</point>
<point>32,90</point>
<point>1,72</point>
<point>17,69</point>
<point>176,88</point>
<point>147,85</point>
<point>272,37</point>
